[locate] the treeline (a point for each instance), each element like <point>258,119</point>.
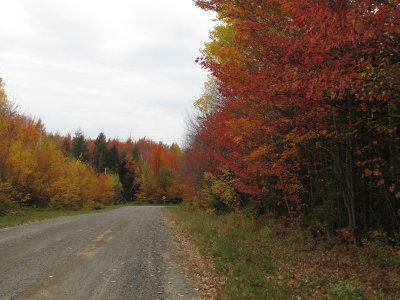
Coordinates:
<point>40,169</point>
<point>147,170</point>
<point>35,172</point>
<point>300,116</point>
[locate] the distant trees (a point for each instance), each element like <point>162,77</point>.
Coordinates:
<point>48,170</point>
<point>147,171</point>
<point>158,170</point>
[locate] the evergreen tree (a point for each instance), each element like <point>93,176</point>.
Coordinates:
<point>80,148</point>
<point>135,154</point>
<point>127,172</point>
<point>112,158</point>
<point>100,151</point>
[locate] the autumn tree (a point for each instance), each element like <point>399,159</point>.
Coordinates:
<point>308,124</point>
<point>66,145</point>
<point>35,169</point>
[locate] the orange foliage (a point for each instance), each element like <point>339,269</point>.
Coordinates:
<point>34,171</point>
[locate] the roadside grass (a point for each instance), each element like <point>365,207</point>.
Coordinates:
<point>28,214</point>
<point>144,203</point>
<point>263,259</point>
<point>239,252</point>
<point>24,215</point>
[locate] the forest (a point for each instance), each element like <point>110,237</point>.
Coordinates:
<point>288,180</point>
<point>299,120</point>
<point>46,170</point>
<point>300,116</point>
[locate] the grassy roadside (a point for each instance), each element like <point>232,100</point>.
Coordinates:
<point>29,214</point>
<point>142,203</point>
<point>262,259</point>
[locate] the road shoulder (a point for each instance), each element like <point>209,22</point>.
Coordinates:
<point>197,268</point>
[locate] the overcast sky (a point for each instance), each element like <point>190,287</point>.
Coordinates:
<point>124,67</point>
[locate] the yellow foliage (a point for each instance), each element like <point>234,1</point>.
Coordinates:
<point>34,171</point>
<point>222,189</point>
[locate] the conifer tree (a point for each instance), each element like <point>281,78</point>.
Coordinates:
<point>80,148</point>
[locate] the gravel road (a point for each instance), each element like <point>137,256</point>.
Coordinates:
<point>124,253</point>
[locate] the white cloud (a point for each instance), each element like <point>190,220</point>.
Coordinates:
<point>123,67</point>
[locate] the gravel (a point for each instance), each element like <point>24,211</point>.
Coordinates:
<point>125,253</point>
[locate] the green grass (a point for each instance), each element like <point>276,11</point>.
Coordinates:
<point>28,214</point>
<point>263,258</point>
<point>239,249</point>
<point>348,291</point>
<point>143,203</point>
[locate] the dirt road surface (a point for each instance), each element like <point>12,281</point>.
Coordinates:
<point>124,253</point>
